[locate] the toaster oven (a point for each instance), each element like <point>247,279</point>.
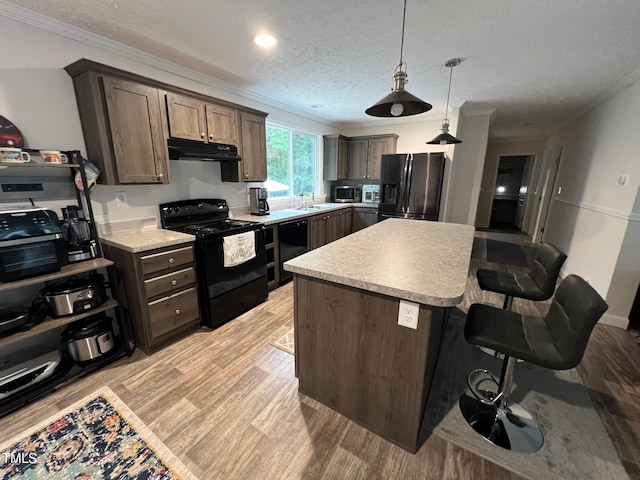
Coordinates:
<point>31,243</point>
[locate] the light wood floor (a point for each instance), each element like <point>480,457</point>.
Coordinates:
<point>226,403</point>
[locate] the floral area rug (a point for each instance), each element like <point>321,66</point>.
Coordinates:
<point>97,438</point>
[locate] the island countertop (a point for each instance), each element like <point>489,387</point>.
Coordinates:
<point>420,261</point>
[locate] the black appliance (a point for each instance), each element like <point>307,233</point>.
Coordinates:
<point>12,317</point>
<point>194,150</point>
<point>292,239</point>
<point>26,369</point>
<point>410,185</point>
<point>258,204</point>
<point>31,243</point>
<point>225,291</point>
<point>77,234</point>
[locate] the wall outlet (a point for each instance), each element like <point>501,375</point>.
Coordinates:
<point>408,314</point>
<point>121,199</point>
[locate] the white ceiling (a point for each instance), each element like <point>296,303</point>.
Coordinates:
<point>538,62</point>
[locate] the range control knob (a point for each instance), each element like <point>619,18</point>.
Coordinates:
<point>169,210</point>
<point>200,205</point>
<point>177,209</point>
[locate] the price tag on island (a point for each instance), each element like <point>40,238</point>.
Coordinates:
<point>408,314</point>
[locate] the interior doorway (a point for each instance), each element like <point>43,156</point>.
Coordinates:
<point>510,194</point>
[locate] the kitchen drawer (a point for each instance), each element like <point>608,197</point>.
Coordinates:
<point>163,260</point>
<point>172,312</point>
<point>170,282</point>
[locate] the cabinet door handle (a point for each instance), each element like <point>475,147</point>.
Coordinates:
<point>210,137</point>
<point>246,177</point>
<point>171,260</point>
<point>174,282</point>
<point>178,311</point>
<point>160,177</point>
<point>202,135</point>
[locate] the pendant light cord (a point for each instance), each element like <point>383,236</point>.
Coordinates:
<point>446,112</point>
<point>404,14</point>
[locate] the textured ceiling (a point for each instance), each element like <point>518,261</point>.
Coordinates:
<point>538,62</point>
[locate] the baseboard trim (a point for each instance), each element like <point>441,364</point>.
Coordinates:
<point>614,321</point>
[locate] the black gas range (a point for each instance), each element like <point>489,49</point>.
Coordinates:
<point>230,257</point>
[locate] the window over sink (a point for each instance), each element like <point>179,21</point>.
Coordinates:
<point>292,157</point>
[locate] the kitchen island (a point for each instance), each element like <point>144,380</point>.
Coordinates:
<point>370,312</point>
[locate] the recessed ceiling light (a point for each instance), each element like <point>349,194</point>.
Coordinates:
<point>265,40</point>
<point>316,105</point>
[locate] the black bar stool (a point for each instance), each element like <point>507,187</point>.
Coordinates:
<point>556,341</point>
<point>537,284</point>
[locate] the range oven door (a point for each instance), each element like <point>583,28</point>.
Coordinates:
<point>226,292</point>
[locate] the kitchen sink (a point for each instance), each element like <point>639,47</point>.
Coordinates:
<point>315,207</point>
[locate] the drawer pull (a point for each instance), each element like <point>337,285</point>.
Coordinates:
<point>177,311</point>
<point>171,260</point>
<point>174,282</point>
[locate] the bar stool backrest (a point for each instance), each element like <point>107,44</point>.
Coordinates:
<point>547,262</point>
<point>575,310</point>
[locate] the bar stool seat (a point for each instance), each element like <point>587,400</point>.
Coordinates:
<point>556,341</point>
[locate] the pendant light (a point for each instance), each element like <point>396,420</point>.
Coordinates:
<point>445,138</point>
<point>399,103</point>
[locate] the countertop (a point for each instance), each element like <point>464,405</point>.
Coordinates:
<point>136,242</point>
<point>420,261</point>
<point>148,239</point>
<point>278,216</point>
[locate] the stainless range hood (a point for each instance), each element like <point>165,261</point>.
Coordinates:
<point>194,150</point>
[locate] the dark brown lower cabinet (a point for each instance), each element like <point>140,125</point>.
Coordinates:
<point>163,293</point>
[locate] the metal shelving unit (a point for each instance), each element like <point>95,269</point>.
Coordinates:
<point>67,371</point>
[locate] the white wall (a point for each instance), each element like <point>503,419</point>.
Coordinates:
<point>593,219</point>
<point>495,149</point>
<point>467,167</point>
<point>36,94</point>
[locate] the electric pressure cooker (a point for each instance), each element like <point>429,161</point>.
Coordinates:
<point>90,339</point>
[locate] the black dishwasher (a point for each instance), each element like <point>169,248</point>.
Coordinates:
<point>292,239</point>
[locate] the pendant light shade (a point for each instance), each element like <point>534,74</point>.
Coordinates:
<point>399,103</point>
<point>445,138</point>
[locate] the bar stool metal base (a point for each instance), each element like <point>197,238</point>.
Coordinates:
<point>510,427</point>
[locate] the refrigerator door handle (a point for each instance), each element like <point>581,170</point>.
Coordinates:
<point>403,185</point>
<point>407,189</point>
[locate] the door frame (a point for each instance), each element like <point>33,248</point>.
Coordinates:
<point>553,161</point>
<point>531,158</point>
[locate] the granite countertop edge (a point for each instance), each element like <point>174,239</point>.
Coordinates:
<point>419,261</point>
<point>381,289</point>
<point>136,242</point>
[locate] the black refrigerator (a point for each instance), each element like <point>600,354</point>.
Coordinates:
<point>410,185</point>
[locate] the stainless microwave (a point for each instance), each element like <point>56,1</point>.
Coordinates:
<point>346,193</point>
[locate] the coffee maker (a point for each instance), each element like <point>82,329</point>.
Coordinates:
<point>76,232</point>
<point>258,204</point>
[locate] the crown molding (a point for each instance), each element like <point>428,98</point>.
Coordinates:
<point>42,22</point>
<point>606,94</point>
